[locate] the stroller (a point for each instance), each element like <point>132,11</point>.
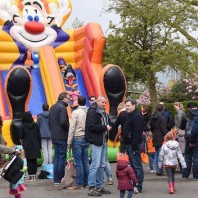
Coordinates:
<point>70,175</point>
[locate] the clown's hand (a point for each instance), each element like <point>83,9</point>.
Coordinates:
<point>7,9</point>
<point>64,11</point>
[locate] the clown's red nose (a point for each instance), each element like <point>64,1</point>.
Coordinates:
<point>34,27</point>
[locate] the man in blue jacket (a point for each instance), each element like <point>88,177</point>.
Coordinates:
<point>59,126</point>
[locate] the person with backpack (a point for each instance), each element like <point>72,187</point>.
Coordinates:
<point>191,148</point>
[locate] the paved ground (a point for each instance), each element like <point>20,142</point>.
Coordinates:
<point>154,186</point>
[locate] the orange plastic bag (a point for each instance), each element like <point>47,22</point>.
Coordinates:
<point>144,158</point>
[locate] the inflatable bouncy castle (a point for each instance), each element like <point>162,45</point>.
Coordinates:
<point>37,25</point>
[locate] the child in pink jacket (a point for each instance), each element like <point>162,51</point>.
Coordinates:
<point>126,178</point>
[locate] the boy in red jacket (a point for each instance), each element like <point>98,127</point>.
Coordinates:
<point>125,174</point>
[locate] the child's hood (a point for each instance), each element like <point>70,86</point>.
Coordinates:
<point>122,164</point>
<point>172,144</point>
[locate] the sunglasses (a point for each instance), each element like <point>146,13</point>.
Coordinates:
<point>92,100</point>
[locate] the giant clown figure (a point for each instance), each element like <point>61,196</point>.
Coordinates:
<point>37,24</point>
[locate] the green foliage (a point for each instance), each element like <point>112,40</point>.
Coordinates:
<point>146,40</point>
<point>171,108</point>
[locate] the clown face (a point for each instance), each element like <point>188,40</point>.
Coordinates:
<point>33,26</point>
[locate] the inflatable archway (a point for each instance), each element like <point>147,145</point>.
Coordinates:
<point>37,24</point>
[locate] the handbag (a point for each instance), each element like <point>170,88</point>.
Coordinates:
<point>12,169</point>
<point>144,158</point>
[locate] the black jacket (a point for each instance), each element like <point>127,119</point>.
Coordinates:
<point>158,128</point>
<point>121,119</point>
<point>94,129</point>
<point>133,129</point>
<point>59,121</point>
<point>31,140</point>
<point>146,118</point>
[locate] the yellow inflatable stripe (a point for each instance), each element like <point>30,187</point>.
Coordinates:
<point>45,84</point>
<point>5,66</point>
<point>66,47</point>
<point>47,80</point>
<point>8,57</point>
<point>6,132</point>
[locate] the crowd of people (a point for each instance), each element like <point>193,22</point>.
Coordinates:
<point>170,141</point>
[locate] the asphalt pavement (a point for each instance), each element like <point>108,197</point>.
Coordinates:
<point>154,186</point>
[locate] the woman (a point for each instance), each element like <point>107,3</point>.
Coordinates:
<point>159,130</point>
<point>31,142</point>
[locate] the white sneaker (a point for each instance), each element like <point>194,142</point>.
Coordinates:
<point>153,171</point>
<point>136,190</point>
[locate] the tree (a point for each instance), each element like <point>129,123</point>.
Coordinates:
<point>148,40</point>
<point>77,23</point>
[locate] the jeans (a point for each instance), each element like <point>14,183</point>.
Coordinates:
<point>81,160</point>
<point>191,158</point>
<point>157,152</point>
<point>136,163</point>
<point>107,166</point>
<point>60,149</point>
<point>47,151</point>
<point>151,160</point>
<point>130,193</point>
<point>96,171</point>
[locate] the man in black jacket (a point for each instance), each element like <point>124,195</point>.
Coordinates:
<point>59,126</point>
<point>132,135</point>
<point>96,133</point>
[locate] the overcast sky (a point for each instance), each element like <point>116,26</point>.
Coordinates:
<point>90,11</point>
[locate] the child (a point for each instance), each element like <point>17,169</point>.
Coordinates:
<point>16,189</point>
<point>151,151</point>
<point>169,154</point>
<point>125,174</point>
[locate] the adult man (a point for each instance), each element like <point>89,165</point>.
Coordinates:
<point>96,133</point>
<point>76,139</point>
<point>59,126</point>
<point>132,135</point>
<point>191,148</point>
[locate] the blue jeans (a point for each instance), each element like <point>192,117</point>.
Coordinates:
<point>191,158</point>
<point>96,171</point>
<point>81,160</point>
<point>157,152</point>
<point>151,160</point>
<point>130,193</point>
<point>136,163</point>
<point>107,165</point>
<point>60,149</point>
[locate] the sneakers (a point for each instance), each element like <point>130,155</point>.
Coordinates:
<point>136,190</point>
<point>93,192</point>
<point>110,181</point>
<point>153,171</point>
<point>159,174</point>
<point>195,179</point>
<point>56,184</point>
<point>31,178</point>
<point>76,188</point>
<point>103,191</point>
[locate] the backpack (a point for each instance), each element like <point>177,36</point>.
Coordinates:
<point>12,169</point>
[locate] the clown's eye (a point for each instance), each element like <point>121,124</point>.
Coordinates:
<point>30,18</point>
<point>36,18</point>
